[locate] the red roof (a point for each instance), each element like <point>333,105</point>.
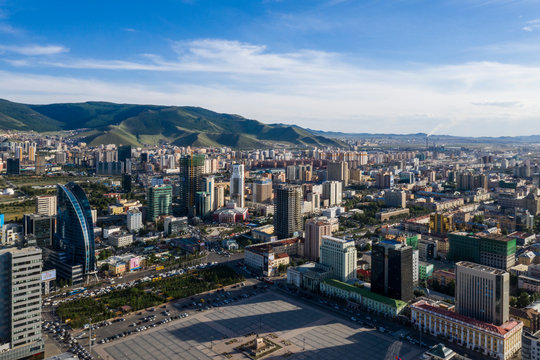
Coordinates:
<point>502,329</point>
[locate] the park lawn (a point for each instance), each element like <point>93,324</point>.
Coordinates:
<point>147,295</point>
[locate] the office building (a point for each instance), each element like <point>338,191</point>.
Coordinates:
<point>338,171</point>
<point>395,198</point>
<point>159,201</point>
<point>203,201</point>
<point>360,298</point>
<point>438,319</point>
<point>340,256</point>
<point>20,304</point>
<point>74,227</point>
<point>124,153</point>
<point>288,220</point>
<point>482,292</point>
<point>498,251</point>
<point>191,170</point>
<point>13,167</point>
<point>46,205</point>
<point>530,345</point>
<point>126,183</point>
<point>173,226</point>
<point>134,220</point>
<point>237,185</point>
<point>42,227</point>
<point>209,186</point>
<point>391,270</point>
<point>262,191</point>
<point>333,192</point>
<point>120,239</point>
<point>315,230</point>
<point>219,197</point>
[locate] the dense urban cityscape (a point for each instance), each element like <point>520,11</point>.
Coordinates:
<point>269,180</point>
<point>426,250</point>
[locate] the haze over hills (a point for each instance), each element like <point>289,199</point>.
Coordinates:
<point>110,123</point>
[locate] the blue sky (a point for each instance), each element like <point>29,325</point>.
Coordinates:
<point>461,67</point>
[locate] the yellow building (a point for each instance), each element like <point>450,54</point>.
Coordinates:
<point>500,342</point>
<point>117,268</point>
<point>441,223</point>
<point>116,209</point>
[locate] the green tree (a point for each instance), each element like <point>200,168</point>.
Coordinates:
<point>523,299</point>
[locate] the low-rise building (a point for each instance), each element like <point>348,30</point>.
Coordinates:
<point>529,283</point>
<point>308,276</point>
<point>362,298</point>
<point>438,319</point>
<point>265,258</point>
<point>120,239</point>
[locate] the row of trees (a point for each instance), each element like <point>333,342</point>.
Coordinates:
<point>146,295</point>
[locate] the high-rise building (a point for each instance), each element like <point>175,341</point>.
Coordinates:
<point>208,186</point>
<point>333,192</point>
<point>126,183</point>
<point>237,185</point>
<point>203,202</point>
<point>338,171</point>
<point>32,153</point>
<point>124,153</point>
<point>384,180</point>
<point>391,270</point>
<point>482,292</point>
<point>13,167</point>
<point>262,191</point>
<point>470,181</point>
<point>40,164</point>
<point>288,211</point>
<point>159,201</point>
<point>498,251</point>
<point>42,227</point>
<point>134,220</point>
<point>46,205</point>
<point>219,197</point>
<point>191,169</point>
<point>315,230</point>
<point>340,256</point>
<point>20,304</point>
<point>74,227</point>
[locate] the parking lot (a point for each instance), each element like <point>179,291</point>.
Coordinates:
<point>302,332</point>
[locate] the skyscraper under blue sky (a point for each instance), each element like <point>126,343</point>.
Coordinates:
<point>75,229</point>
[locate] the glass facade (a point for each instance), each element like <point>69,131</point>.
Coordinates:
<point>75,230</point>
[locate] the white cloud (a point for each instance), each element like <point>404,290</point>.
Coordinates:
<point>314,89</point>
<point>34,50</point>
<point>8,29</point>
<point>532,25</point>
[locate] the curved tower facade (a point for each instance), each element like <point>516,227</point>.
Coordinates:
<point>75,229</point>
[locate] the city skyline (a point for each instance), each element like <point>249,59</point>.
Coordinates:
<point>457,68</point>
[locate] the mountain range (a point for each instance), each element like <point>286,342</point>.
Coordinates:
<point>130,124</point>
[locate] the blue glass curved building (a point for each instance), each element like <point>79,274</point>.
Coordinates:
<point>74,228</point>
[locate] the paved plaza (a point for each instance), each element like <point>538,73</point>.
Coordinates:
<point>301,331</point>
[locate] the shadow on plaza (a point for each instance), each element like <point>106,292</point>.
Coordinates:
<point>363,345</point>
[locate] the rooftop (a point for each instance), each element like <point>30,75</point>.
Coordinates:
<point>367,293</point>
<point>501,329</point>
<point>479,267</point>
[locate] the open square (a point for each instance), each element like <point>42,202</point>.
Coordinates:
<point>302,332</point>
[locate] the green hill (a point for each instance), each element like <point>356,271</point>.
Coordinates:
<point>110,123</point>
